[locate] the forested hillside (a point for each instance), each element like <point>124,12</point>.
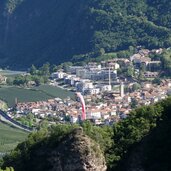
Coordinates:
<point>40,30</point>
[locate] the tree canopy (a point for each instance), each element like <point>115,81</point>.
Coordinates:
<point>59,29</point>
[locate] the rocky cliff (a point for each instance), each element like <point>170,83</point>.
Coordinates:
<point>77,152</point>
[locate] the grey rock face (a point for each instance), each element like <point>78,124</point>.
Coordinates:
<point>78,153</point>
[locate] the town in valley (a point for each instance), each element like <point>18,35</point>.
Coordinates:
<point>110,88</point>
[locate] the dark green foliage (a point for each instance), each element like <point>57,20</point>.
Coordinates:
<point>134,103</point>
<point>158,149</point>
<point>156,81</point>
<point>166,58</point>
<point>101,135</point>
<point>37,75</point>
<point>39,31</point>
<point>132,130</point>
<point>33,70</point>
<point>153,152</point>
<point>136,86</point>
<point>35,149</point>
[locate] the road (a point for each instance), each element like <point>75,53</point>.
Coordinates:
<point>4,117</point>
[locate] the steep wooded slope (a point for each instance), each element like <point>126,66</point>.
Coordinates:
<point>153,152</point>
<point>39,30</point>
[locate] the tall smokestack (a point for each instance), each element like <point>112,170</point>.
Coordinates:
<point>109,77</point>
<point>122,89</point>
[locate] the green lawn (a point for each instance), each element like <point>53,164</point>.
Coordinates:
<point>10,137</point>
<point>44,92</point>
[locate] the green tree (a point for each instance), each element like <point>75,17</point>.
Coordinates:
<point>45,70</point>
<point>53,68</point>
<point>143,67</point>
<point>141,75</point>
<point>156,81</point>
<point>130,71</point>
<point>101,52</point>
<point>136,86</point>
<point>19,80</point>
<point>33,70</point>
<point>39,79</point>
<point>66,66</point>
<point>134,103</point>
<point>167,61</point>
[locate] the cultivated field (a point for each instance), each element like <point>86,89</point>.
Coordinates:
<point>56,91</point>
<point>44,92</point>
<point>9,94</point>
<point>10,137</point>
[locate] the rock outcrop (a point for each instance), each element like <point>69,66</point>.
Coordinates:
<point>65,150</point>
<point>77,152</point>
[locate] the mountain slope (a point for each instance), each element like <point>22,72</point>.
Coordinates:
<point>153,152</point>
<point>40,31</point>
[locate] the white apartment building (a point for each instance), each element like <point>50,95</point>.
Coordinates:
<point>58,75</point>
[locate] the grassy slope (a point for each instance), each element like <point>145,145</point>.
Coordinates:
<point>10,137</point>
